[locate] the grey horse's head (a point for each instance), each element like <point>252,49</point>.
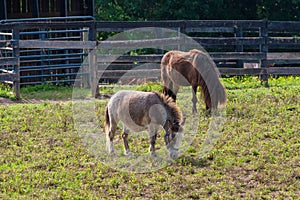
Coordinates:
<point>173,137</point>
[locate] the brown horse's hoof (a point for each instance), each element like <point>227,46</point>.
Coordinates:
<point>208,112</point>
<point>194,110</point>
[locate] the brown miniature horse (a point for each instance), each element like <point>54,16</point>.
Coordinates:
<point>194,68</point>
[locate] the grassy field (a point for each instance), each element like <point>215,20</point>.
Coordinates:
<point>257,157</point>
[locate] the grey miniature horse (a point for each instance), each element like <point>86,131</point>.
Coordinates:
<point>139,111</point>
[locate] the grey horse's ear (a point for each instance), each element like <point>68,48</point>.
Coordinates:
<point>169,124</point>
<point>183,121</point>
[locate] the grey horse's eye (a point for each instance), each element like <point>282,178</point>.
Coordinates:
<point>173,135</point>
<point>175,127</point>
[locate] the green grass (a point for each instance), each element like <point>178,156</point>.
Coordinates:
<point>6,91</point>
<point>46,91</point>
<point>257,157</point>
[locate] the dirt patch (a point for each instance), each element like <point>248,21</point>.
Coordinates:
<point>4,101</point>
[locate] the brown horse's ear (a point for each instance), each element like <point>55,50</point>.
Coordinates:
<point>183,121</point>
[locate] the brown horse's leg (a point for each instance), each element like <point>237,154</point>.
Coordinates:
<point>168,88</point>
<point>194,99</point>
<point>167,84</point>
<point>169,91</point>
<point>125,141</point>
<point>174,91</point>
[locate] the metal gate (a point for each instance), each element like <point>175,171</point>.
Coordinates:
<point>44,65</point>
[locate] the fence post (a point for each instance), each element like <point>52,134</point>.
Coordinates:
<point>93,73</point>
<point>239,48</point>
<point>85,77</point>
<point>160,34</point>
<point>182,30</point>
<point>93,62</point>
<point>16,53</point>
<point>264,49</point>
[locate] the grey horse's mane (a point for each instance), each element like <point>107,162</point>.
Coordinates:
<point>171,105</point>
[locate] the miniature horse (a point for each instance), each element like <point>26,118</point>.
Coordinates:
<point>194,68</point>
<point>139,111</point>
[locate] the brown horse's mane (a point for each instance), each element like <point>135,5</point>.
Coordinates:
<point>169,103</point>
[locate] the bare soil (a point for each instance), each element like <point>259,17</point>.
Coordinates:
<point>6,101</point>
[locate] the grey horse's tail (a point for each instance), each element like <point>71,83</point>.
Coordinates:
<point>106,123</point>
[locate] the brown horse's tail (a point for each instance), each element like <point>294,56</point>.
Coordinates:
<point>166,83</point>
<point>106,122</point>
<point>213,91</point>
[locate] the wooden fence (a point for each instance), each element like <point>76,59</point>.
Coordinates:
<point>237,47</point>
<point>52,50</point>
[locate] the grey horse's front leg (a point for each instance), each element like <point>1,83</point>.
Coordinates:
<point>152,145</point>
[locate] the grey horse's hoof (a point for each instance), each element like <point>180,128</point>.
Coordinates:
<point>128,153</point>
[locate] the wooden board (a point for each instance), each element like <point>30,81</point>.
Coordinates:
<point>8,61</point>
<point>8,77</point>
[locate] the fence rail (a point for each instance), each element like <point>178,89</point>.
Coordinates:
<point>52,49</point>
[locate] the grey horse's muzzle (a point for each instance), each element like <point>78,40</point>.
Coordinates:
<point>173,152</point>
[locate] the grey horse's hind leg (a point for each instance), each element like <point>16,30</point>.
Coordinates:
<point>110,137</point>
<point>125,140</point>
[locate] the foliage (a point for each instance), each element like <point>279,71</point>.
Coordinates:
<point>125,10</point>
<point>242,82</point>
<point>150,86</point>
<point>43,157</point>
